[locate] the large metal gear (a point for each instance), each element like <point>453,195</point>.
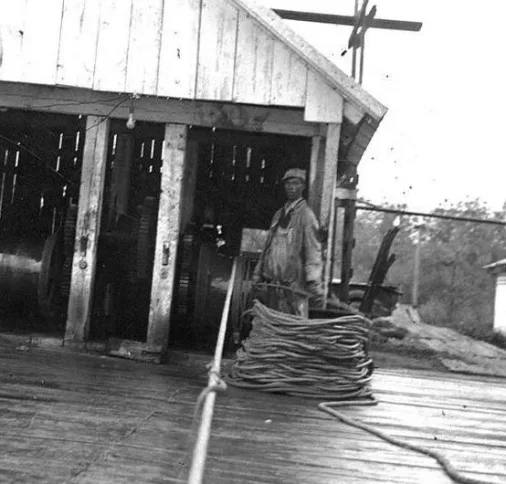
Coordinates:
<point>145,237</point>
<point>186,279</point>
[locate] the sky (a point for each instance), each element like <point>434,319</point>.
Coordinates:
<point>443,139</point>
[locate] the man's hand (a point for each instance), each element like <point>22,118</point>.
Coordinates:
<point>316,290</point>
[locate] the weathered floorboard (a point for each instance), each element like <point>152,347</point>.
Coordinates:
<point>84,419</point>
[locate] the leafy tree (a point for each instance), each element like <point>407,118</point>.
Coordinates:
<point>454,289</point>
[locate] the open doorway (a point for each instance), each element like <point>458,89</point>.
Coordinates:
<point>40,167</point>
<point>125,255</point>
<point>231,196</point>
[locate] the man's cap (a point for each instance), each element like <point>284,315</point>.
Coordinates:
<point>295,173</point>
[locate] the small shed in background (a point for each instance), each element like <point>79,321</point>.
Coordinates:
<point>221,97</point>
<point>498,269</point>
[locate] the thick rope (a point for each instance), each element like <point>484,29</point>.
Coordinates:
<point>320,358</point>
<point>208,396</point>
<point>317,358</point>
<point>440,458</point>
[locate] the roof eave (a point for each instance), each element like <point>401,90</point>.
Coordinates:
<point>345,85</point>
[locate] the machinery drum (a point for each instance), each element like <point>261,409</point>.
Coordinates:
<point>29,274</point>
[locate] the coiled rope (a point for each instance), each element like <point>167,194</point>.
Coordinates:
<point>320,358</point>
<point>317,358</point>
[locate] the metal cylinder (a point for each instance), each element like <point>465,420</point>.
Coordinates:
<point>28,271</point>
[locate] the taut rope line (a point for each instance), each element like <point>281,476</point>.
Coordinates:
<point>208,396</point>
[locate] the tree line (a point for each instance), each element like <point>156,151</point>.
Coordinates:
<point>454,289</point>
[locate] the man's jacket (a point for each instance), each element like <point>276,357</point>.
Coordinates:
<point>302,262</point>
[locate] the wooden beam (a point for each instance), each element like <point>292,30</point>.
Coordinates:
<point>347,249</point>
<point>327,205</point>
<point>328,168</point>
<point>87,230</point>
<point>323,172</point>
<point>315,174</point>
<point>161,110</point>
<point>167,234</point>
<point>325,18</point>
<point>322,183</point>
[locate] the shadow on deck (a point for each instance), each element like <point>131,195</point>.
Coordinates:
<point>73,418</point>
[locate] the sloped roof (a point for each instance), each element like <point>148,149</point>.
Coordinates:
<point>344,84</point>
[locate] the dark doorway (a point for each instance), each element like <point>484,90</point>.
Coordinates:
<point>122,289</point>
<point>237,187</point>
<point>40,167</point>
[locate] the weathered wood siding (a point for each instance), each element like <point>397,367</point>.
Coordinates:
<point>193,49</point>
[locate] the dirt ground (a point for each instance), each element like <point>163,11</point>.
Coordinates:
<point>403,340</point>
<point>389,356</point>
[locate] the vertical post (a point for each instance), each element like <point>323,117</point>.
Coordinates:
<point>322,185</point>
<point>348,242</point>
<point>323,172</point>
<point>167,234</point>
<point>354,57</point>
<point>335,238</point>
<point>87,230</point>
<point>315,175</point>
<point>327,206</point>
<point>416,270</point>
<point>329,174</point>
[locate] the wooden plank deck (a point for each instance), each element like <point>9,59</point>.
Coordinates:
<point>88,419</point>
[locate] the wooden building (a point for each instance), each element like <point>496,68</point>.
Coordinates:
<point>224,97</point>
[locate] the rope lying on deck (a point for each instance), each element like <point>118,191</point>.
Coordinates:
<point>320,358</point>
<point>440,458</point>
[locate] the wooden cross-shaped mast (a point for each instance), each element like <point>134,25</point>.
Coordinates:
<point>360,21</point>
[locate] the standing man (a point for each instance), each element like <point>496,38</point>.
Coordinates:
<point>292,254</point>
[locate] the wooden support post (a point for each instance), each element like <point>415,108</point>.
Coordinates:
<point>167,235</point>
<point>87,230</point>
<point>327,207</point>
<point>322,184</point>
<point>323,172</point>
<point>315,174</point>
<point>348,242</point>
<point>416,270</point>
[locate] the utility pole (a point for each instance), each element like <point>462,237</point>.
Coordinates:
<point>361,21</point>
<point>416,269</point>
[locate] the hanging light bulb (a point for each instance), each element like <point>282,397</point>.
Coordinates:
<point>130,124</point>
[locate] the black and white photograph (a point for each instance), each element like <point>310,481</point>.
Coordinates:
<point>252,242</point>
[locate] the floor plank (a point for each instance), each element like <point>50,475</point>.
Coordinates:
<point>72,418</point>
